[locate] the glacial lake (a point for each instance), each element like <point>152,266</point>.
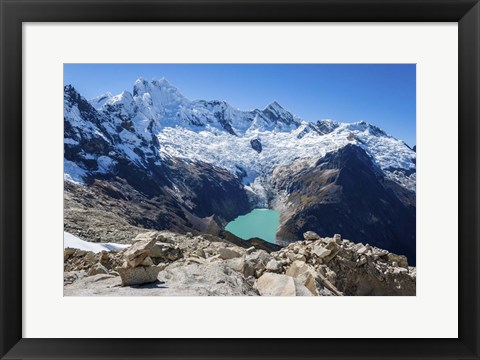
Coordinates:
<point>261,223</point>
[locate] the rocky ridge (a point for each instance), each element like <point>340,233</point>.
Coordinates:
<point>168,264</point>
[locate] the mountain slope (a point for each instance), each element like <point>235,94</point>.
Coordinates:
<point>346,192</point>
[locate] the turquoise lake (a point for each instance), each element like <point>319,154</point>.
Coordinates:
<point>261,223</point>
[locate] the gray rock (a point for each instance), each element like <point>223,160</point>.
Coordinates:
<point>97,269</point>
<point>199,253</point>
<point>362,260</point>
<point>79,252</point>
<point>72,276</point>
<point>149,235</point>
<point>334,249</point>
<point>337,238</point>
<point>138,275</point>
<point>257,261</point>
<point>215,279</point>
<point>139,250</point>
<point>290,256</point>
<point>67,253</point>
<point>270,284</point>
<point>250,250</point>
<point>229,253</point>
<point>273,266</point>
<point>379,252</point>
<point>320,251</point>
<point>197,260</point>
<point>399,259</point>
<point>165,251</point>
<point>248,268</point>
<point>310,235</point>
<point>304,273</point>
<point>147,261</point>
<point>300,257</point>
<point>236,264</point>
<point>362,250</point>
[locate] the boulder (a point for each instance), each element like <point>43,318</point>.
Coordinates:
<point>290,256</point>
<point>296,268</point>
<point>379,252</point>
<point>400,260</point>
<point>274,266</point>
<point>362,260</point>
<point>135,254</point>
<point>250,250</point>
<point>147,261</point>
<point>236,264</point>
<point>97,269</point>
<point>138,275</point>
<point>199,253</point>
<point>270,284</point>
<point>334,249</point>
<point>149,235</point>
<point>256,261</point>
<point>80,253</point>
<point>362,250</point>
<point>67,253</point>
<point>337,238</point>
<point>229,253</point>
<point>310,235</point>
<point>248,268</point>
<point>165,251</point>
<point>304,273</point>
<point>321,251</point>
<point>300,257</point>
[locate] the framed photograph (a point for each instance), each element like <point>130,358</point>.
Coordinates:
<point>239,179</point>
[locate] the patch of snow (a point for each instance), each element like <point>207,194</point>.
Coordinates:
<point>71,241</point>
<point>105,164</point>
<point>69,141</point>
<point>73,173</point>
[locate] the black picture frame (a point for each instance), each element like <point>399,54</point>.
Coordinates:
<point>15,12</point>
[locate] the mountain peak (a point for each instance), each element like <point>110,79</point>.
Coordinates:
<point>160,92</point>
<point>274,105</point>
<point>163,82</point>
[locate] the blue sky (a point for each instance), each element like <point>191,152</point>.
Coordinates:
<point>383,95</point>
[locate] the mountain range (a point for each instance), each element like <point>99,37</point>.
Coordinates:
<point>157,160</point>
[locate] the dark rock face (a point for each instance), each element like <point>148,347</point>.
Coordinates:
<point>210,189</point>
<point>275,114</point>
<point>325,126</point>
<point>256,145</point>
<point>346,193</point>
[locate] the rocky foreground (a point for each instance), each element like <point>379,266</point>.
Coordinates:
<point>170,264</point>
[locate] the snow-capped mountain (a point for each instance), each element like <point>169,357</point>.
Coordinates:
<point>154,159</point>
<point>156,122</point>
